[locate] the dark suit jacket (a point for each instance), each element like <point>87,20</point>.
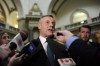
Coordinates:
<point>84,54</point>
<point>39,58</point>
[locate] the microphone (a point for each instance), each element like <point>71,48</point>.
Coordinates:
<point>12,46</point>
<point>29,49</point>
<point>66,62</point>
<point>18,40</point>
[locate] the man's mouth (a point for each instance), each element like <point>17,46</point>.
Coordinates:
<point>51,30</point>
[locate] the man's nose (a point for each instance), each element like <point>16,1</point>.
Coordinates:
<point>51,24</point>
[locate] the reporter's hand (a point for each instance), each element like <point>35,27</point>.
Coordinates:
<point>60,38</point>
<point>14,60</point>
<point>66,35</point>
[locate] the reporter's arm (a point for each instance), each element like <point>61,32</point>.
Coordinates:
<point>70,40</point>
<point>14,60</point>
<point>67,37</point>
<point>80,51</point>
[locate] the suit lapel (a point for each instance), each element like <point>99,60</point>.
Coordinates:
<point>39,54</point>
<point>38,45</point>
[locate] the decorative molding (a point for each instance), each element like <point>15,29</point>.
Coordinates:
<point>3,12</point>
<point>7,5</point>
<point>19,19</point>
<point>59,6</point>
<point>52,10</point>
<point>14,5</point>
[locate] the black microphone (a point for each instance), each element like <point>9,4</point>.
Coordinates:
<point>28,49</point>
<point>12,46</point>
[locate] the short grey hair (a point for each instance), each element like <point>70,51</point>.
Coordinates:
<point>45,16</point>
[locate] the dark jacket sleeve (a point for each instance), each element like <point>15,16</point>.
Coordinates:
<point>84,54</point>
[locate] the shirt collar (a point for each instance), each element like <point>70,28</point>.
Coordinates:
<point>42,39</point>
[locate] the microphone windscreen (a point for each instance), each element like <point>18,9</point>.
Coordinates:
<point>12,46</point>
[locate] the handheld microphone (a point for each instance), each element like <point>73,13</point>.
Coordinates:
<point>19,40</point>
<point>12,46</point>
<point>28,49</point>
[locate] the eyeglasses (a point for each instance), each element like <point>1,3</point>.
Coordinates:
<point>5,37</point>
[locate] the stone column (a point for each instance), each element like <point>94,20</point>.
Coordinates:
<point>22,24</point>
<point>30,33</point>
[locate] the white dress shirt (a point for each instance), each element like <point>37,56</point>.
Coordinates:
<point>44,43</point>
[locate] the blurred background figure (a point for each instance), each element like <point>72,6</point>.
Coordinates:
<point>98,36</point>
<point>85,33</point>
<point>4,38</point>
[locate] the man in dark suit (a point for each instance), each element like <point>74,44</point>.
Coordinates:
<point>82,53</point>
<point>41,56</point>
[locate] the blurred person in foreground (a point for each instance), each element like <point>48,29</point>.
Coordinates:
<point>98,37</point>
<point>82,53</point>
<point>4,52</point>
<point>4,40</point>
<point>40,56</point>
<point>15,60</point>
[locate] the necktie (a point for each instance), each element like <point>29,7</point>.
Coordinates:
<point>50,55</point>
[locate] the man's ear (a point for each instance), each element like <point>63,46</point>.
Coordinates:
<point>39,26</point>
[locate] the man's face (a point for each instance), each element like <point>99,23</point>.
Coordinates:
<point>47,26</point>
<point>84,34</point>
